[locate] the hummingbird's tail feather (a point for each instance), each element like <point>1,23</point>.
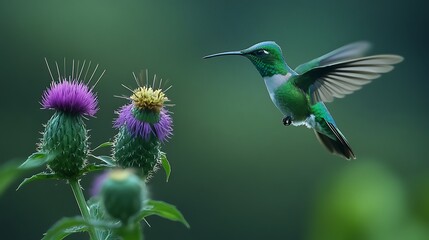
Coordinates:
<point>338,146</point>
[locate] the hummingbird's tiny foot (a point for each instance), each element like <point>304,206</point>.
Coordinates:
<point>287,120</point>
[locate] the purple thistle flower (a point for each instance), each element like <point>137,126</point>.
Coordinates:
<point>72,97</point>
<point>162,129</point>
<point>143,125</point>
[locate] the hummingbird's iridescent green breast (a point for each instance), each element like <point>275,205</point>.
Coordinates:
<point>292,101</point>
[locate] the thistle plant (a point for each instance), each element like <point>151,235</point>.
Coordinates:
<point>120,202</point>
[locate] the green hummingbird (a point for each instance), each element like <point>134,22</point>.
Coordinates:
<point>300,93</point>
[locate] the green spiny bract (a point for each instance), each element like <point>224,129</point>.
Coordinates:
<point>148,116</point>
<point>135,152</point>
<point>65,134</point>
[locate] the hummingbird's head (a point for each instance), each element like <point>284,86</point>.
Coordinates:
<point>266,56</point>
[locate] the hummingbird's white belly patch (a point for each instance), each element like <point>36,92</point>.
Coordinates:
<point>309,122</point>
<point>275,81</point>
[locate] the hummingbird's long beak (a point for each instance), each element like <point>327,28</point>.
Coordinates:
<point>223,54</point>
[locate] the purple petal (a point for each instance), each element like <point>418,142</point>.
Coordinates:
<point>97,183</point>
<point>71,97</point>
<point>162,129</point>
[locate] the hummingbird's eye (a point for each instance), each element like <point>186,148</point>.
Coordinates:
<point>261,52</point>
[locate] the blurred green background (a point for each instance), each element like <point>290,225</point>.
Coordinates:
<point>238,173</point>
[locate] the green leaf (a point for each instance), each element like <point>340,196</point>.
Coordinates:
<point>38,159</point>
<point>162,209</point>
<point>9,172</point>
<point>39,176</point>
<point>70,225</point>
<point>94,167</point>
<point>166,165</point>
<point>65,227</point>
<point>106,159</point>
<point>103,145</point>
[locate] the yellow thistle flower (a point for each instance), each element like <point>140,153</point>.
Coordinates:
<point>146,98</point>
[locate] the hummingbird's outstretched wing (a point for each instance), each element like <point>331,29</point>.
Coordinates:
<point>335,75</point>
<point>353,50</point>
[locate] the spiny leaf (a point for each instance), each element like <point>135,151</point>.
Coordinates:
<point>70,225</point>
<point>106,159</point>
<point>38,159</point>
<point>8,173</point>
<point>65,227</point>
<point>106,144</point>
<point>39,176</point>
<point>166,165</point>
<point>162,209</point>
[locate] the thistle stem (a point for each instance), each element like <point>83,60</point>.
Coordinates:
<point>131,231</point>
<point>80,199</point>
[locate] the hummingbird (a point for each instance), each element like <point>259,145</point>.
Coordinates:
<point>301,93</point>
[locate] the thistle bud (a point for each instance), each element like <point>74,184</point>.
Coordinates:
<point>122,194</point>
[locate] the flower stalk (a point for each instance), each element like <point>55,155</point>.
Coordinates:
<point>81,202</point>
